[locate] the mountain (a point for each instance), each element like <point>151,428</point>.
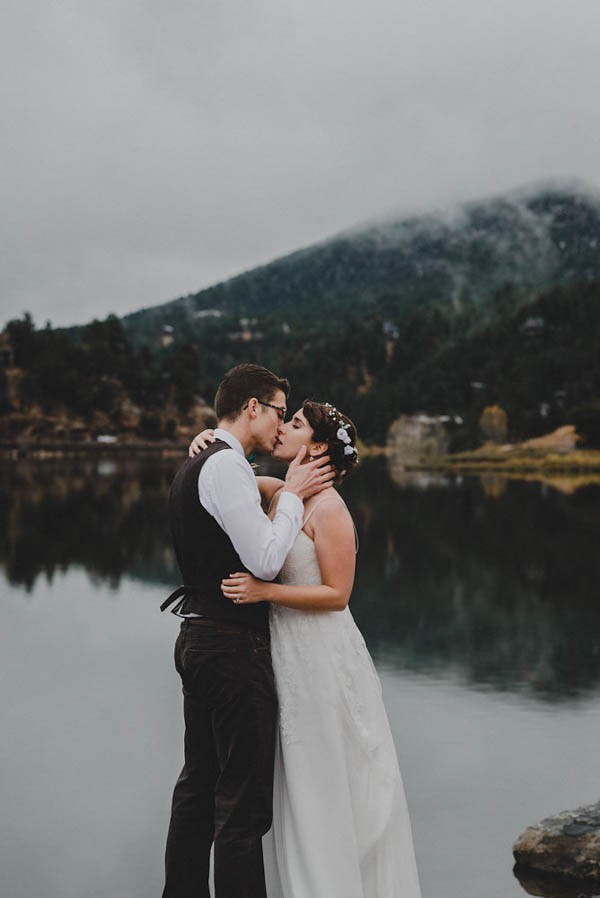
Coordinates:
<point>474,263</point>
<point>494,302</point>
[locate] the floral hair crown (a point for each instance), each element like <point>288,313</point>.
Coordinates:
<point>342,432</point>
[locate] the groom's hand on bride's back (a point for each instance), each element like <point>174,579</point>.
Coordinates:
<point>304,480</point>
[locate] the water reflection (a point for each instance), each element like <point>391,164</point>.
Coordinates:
<point>553,887</point>
<point>106,516</point>
<point>500,583</point>
<point>497,580</point>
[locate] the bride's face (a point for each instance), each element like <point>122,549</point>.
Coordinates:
<point>292,436</point>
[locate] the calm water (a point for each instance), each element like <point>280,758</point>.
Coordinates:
<point>479,601</point>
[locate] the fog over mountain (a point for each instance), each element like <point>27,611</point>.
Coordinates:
<point>151,149</point>
<point>457,260</point>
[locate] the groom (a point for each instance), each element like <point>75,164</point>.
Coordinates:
<point>224,793</point>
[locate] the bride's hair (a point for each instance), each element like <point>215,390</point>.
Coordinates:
<point>337,430</point>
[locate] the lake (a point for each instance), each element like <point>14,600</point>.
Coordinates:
<point>478,598</point>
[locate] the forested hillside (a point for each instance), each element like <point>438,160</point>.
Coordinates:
<point>540,364</point>
<point>497,304</point>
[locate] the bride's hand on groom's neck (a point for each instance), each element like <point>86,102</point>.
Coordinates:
<point>304,480</point>
<point>201,441</point>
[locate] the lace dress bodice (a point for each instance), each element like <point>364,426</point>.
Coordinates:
<point>301,567</point>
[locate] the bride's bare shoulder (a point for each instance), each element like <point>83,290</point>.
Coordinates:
<point>324,510</point>
<point>329,498</point>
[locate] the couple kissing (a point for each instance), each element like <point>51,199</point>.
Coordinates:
<point>290,773</point>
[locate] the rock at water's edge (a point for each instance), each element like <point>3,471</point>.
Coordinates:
<point>567,844</point>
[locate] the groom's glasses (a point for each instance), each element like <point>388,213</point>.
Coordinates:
<point>281,411</point>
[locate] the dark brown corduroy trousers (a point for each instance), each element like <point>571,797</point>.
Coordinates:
<point>224,794</point>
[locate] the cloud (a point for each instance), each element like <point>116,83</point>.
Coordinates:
<point>152,148</point>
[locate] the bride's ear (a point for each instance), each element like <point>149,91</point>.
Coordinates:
<point>317,449</point>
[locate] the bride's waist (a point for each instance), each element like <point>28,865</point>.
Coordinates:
<point>306,617</point>
<point>306,581</point>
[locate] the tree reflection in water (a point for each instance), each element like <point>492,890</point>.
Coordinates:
<point>106,516</point>
<point>502,584</point>
<point>498,584</point>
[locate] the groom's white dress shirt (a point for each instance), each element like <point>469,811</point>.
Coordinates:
<point>228,490</point>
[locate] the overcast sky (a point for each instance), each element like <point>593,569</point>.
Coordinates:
<point>153,147</point>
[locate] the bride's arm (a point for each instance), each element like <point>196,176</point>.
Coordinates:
<point>334,545</point>
<point>268,487</point>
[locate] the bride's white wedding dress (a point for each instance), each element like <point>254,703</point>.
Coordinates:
<point>340,823</point>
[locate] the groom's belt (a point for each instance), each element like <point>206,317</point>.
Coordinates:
<point>220,627</point>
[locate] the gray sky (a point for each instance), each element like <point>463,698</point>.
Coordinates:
<point>153,147</point>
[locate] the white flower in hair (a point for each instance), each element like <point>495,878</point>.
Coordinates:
<point>349,450</point>
<point>342,435</point>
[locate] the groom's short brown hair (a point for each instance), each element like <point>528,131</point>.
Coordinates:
<point>241,384</point>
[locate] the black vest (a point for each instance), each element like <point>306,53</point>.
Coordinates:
<point>205,554</point>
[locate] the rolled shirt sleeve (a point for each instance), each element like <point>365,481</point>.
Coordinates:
<point>228,490</point>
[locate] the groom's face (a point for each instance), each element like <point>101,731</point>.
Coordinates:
<point>268,422</point>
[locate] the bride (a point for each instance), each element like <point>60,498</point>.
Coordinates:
<point>340,823</point>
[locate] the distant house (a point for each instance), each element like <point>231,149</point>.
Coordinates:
<point>209,313</point>
<point>450,419</point>
<point>532,326</point>
<point>390,330</point>
<point>166,335</point>
<point>248,332</point>
<point>246,336</point>
<point>414,437</point>
<point>390,335</point>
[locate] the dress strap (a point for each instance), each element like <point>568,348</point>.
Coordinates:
<point>316,505</point>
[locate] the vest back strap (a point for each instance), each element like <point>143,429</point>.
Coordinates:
<point>180,593</point>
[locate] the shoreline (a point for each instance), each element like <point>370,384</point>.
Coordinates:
<point>65,449</point>
<point>479,461</point>
<point>517,462</point>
